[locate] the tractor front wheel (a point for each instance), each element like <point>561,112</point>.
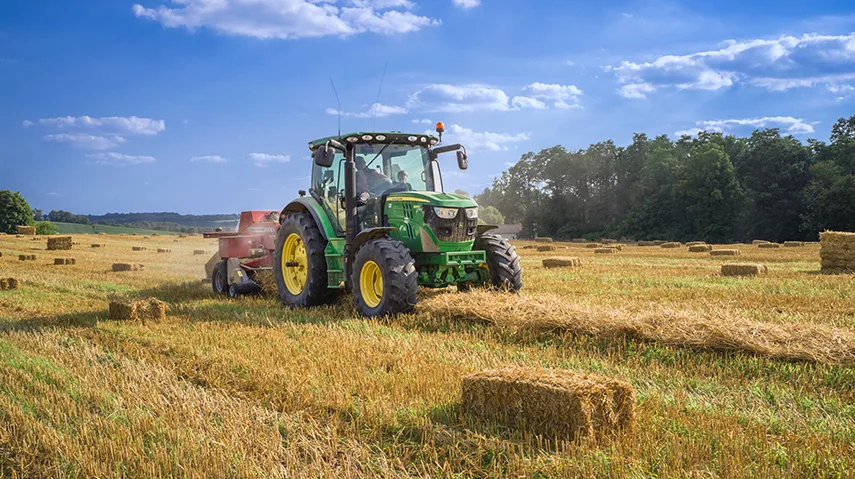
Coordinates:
<point>503,263</point>
<point>384,278</point>
<point>299,264</point>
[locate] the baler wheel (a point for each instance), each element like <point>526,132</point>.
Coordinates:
<point>219,278</point>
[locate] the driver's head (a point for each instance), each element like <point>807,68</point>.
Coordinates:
<point>360,162</point>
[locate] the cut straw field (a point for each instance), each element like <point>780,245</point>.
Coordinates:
<point>732,376</point>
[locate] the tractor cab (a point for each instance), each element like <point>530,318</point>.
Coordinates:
<point>377,222</point>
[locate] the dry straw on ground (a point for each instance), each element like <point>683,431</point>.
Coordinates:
<point>724,252</point>
<point>7,284</point>
<point>743,269</point>
<point>670,245</point>
<point>553,403</point>
<point>543,240</point>
<point>127,267</point>
<point>837,254</point>
<point>59,243</point>
<point>27,230</point>
<point>605,251</point>
<point>768,245</point>
<point>793,244</point>
<point>124,309</point>
<point>700,248</point>
<point>566,262</point>
<point>546,247</point>
<point>714,329</point>
<point>64,261</point>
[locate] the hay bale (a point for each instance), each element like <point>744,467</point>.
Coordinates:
<point>27,230</point>
<point>793,244</point>
<point>546,247</point>
<point>98,245</point>
<point>164,250</point>
<point>553,403</point>
<point>671,245</point>
<point>617,246</point>
<point>837,253</point>
<point>123,309</point>
<point>768,245</point>
<point>139,248</point>
<point>117,267</point>
<point>605,251</point>
<point>695,243</point>
<point>26,257</point>
<point>59,243</point>
<point>7,284</point>
<point>593,245</point>
<point>757,242</point>
<point>743,269</point>
<point>646,243</point>
<point>700,248</point>
<point>724,252</point>
<point>543,240</point>
<point>199,251</point>
<point>529,246</point>
<point>566,262</point>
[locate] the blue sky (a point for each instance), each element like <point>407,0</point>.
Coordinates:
<point>206,106</point>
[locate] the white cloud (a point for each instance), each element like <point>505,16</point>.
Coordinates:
<point>520,102</point>
<point>208,159</point>
<point>378,109</point>
<point>84,140</point>
<point>793,126</point>
<point>288,19</point>
<point>636,90</point>
<point>52,193</point>
<point>562,96</point>
<point>458,98</point>
<point>775,64</point>
<point>130,125</point>
<point>264,159</point>
<point>466,3</point>
<point>839,88</point>
<point>422,121</point>
<point>119,159</point>
<point>482,140</point>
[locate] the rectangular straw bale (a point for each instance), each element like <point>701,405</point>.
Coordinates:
<point>543,240</point>
<point>546,247</point>
<point>605,251</point>
<point>529,246</point>
<point>837,254</point>
<point>139,248</point>
<point>98,245</point>
<point>4,284</point>
<point>27,230</point>
<point>724,252</point>
<point>743,269</point>
<point>768,245</point>
<point>793,244</point>
<point>565,262</point>
<point>199,251</point>
<point>59,261</point>
<point>670,245</point>
<point>127,267</point>
<point>593,245</point>
<point>123,309</point>
<point>7,284</point>
<point>700,248</point>
<point>695,243</point>
<point>59,243</point>
<point>552,403</point>
<point>646,243</point>
<point>164,250</point>
<point>756,242</point>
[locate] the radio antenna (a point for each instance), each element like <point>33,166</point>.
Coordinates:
<point>377,103</point>
<point>337,99</point>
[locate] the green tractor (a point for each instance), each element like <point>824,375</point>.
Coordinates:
<point>377,222</point>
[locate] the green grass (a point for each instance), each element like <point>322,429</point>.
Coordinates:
<point>77,229</point>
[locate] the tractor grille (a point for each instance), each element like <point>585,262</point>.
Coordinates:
<point>457,229</point>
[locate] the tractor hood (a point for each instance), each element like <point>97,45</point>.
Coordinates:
<point>433,198</point>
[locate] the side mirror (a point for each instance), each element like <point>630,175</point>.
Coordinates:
<point>462,160</point>
<point>324,156</point>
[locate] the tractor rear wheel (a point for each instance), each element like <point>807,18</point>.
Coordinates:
<point>384,278</point>
<point>503,263</point>
<point>299,264</point>
<point>219,278</point>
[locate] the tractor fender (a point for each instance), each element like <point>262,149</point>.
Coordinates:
<point>365,236</point>
<point>481,229</point>
<point>311,206</point>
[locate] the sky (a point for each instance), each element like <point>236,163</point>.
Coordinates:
<point>207,106</point>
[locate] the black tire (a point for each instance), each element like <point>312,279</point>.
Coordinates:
<point>234,292</point>
<point>219,278</point>
<point>503,261</point>
<point>315,291</point>
<point>398,270</point>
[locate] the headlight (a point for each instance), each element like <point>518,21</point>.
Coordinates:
<point>445,213</point>
<point>472,213</point>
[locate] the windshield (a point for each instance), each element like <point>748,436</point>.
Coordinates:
<point>380,167</point>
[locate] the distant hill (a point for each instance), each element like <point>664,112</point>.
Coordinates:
<point>168,221</point>
<point>75,228</point>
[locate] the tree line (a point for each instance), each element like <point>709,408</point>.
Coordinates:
<point>711,187</point>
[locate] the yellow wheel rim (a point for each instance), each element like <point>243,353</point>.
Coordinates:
<point>294,264</point>
<point>371,284</point>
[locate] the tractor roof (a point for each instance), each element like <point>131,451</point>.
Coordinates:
<point>397,136</point>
